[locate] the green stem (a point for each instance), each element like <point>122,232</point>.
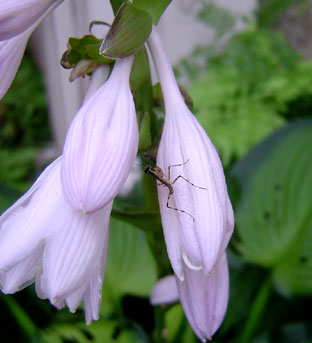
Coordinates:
<point>23,319</point>
<point>257,312</point>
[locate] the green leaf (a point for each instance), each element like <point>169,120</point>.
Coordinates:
<point>20,315</point>
<point>274,216</point>
<point>145,131</point>
<point>245,281</point>
<point>294,274</point>
<point>128,32</point>
<point>177,325</point>
<point>116,5</point>
<point>155,8</point>
<point>142,219</point>
<point>131,268</point>
<point>140,72</point>
<point>86,47</point>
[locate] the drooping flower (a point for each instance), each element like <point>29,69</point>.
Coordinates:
<point>199,234</point>
<point>44,239</point>
<point>101,143</point>
<point>17,16</point>
<point>18,19</point>
<point>204,299</point>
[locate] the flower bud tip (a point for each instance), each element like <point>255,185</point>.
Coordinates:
<point>54,300</point>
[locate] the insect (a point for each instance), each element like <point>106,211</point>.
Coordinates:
<point>158,174</point>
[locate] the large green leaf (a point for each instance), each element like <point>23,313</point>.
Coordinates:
<point>294,273</point>
<point>128,32</point>
<point>131,268</point>
<point>116,5</point>
<point>155,8</point>
<point>274,216</point>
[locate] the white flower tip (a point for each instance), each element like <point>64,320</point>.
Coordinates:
<point>94,318</point>
<point>189,263</point>
<point>57,302</point>
<point>205,339</point>
<point>54,300</point>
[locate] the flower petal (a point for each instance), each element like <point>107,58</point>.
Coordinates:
<point>204,299</point>
<point>22,274</point>
<point>11,53</point>
<point>101,143</point>
<point>165,291</point>
<point>93,297</point>
<point>18,15</point>
<point>29,221</point>
<point>197,217</point>
<point>72,256</point>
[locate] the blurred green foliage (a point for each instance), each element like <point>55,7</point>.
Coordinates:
<point>269,11</point>
<point>23,111</point>
<point>249,90</point>
<point>219,18</point>
<point>24,126</point>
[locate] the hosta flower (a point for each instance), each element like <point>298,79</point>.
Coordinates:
<point>101,143</point>
<point>204,300</point>
<point>18,19</point>
<point>18,15</point>
<point>200,221</point>
<point>44,239</point>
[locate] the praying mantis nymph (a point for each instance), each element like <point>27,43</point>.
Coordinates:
<point>158,174</point>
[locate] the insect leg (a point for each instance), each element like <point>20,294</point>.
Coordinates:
<point>175,165</point>
<point>180,176</point>
<point>176,209</point>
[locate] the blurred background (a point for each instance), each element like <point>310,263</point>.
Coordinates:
<point>247,67</point>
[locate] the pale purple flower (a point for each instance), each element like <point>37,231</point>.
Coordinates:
<point>101,143</point>
<point>199,236</point>
<point>165,291</point>
<point>204,299</point>
<point>18,19</point>
<point>17,16</point>
<point>44,239</point>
